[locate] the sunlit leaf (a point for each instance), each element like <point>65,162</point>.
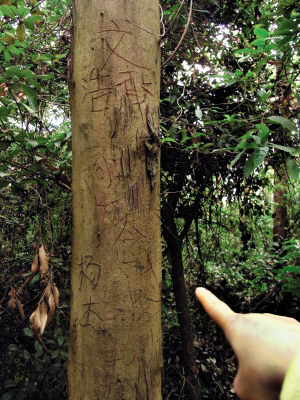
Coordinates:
<point>263,33</point>
<point>7,11</point>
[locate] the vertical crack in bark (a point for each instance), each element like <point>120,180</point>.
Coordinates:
<point>152,145</point>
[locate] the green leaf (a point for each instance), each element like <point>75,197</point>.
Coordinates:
<point>168,139</point>
<point>3,112</point>
<point>33,143</point>
<point>292,168</point>
<point>246,145</point>
<point>27,332</point>
<point>26,355</point>
<point>48,57</point>
<point>29,91</point>
<point>3,184</point>
<point>13,50</point>
<point>4,145</point>
<point>263,133</point>
<point>7,11</point>
<point>7,55</point>
<point>263,33</point>
<point>236,158</point>
<point>12,71</point>
<point>55,354</point>
<point>20,32</point>
<point>44,77</point>
<point>284,148</point>
<point>259,155</point>
<point>199,113</point>
<point>33,104</point>
<point>26,73</point>
<point>258,42</point>
<point>38,346</point>
<point>60,340</point>
<point>34,18</point>
<point>29,24</point>
<point>284,121</point>
<point>22,12</point>
<point>13,347</point>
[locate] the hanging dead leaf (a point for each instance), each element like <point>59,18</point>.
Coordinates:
<point>47,292</point>
<point>20,308</point>
<point>55,294</point>
<point>12,292</point>
<point>32,317</point>
<point>51,309</point>
<point>36,323</point>
<point>44,261</point>
<point>12,305</point>
<point>34,270</point>
<point>35,264</point>
<point>43,316</point>
<point>40,340</point>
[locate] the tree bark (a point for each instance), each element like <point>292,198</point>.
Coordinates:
<point>115,347</point>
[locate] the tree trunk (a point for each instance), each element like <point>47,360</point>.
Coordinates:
<point>115,347</point>
<point>182,308</point>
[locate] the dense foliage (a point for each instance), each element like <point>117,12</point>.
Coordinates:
<point>230,165</point>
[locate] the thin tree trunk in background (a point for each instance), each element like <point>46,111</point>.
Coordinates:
<point>174,243</point>
<point>115,347</point>
<point>182,308</point>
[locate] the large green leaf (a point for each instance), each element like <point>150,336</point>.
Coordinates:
<point>263,33</point>
<point>7,10</point>
<point>283,148</point>
<point>292,168</point>
<point>287,123</point>
<point>29,91</point>
<point>259,155</point>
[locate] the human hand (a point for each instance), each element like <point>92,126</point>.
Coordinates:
<point>263,343</point>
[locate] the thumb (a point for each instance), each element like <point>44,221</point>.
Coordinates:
<point>218,311</point>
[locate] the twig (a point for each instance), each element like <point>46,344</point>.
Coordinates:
<point>182,37</point>
<point>273,290</point>
<point>178,11</point>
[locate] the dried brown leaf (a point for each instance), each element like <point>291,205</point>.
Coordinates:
<point>32,317</point>
<point>12,305</point>
<point>40,340</point>
<point>51,309</point>
<point>55,294</point>
<point>12,292</point>
<point>47,292</point>
<point>36,324</point>
<point>35,265</point>
<point>44,312</point>
<point>20,308</point>
<point>44,261</point>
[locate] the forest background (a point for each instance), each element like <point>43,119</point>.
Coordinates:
<point>229,182</point>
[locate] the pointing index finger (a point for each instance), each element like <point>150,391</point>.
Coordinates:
<point>218,311</point>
